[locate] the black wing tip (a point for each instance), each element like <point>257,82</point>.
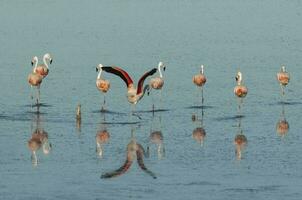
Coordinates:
<point>153,70</point>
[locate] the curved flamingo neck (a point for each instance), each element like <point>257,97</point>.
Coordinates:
<point>100,73</point>
<point>45,62</point>
<point>202,71</point>
<point>36,65</point>
<point>239,79</point>
<point>159,70</point>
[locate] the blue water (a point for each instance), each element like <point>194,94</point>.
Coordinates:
<point>256,37</point>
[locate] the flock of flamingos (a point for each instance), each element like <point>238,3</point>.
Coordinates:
<point>134,94</point>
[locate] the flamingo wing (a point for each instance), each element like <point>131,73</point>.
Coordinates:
<point>143,78</point>
<point>140,161</point>
<point>119,72</point>
<point>123,169</point>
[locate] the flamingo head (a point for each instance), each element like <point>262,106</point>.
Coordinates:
<point>48,57</point>
<point>162,65</point>
<point>238,77</point>
<point>99,67</point>
<point>34,60</point>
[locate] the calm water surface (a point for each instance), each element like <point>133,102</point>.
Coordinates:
<point>256,37</point>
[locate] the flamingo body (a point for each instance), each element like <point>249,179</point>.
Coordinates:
<point>42,70</point>
<point>34,79</point>
<point>103,85</point>
<point>283,78</point>
<point>199,80</point>
<point>240,91</point>
<point>157,83</point>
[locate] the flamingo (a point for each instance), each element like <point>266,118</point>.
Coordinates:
<point>102,84</point>
<point>134,94</point>
<point>35,79</point>
<point>240,90</point>
<point>43,69</point>
<point>199,80</point>
<point>158,82</point>
<point>283,78</point>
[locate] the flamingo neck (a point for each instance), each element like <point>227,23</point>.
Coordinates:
<point>35,67</point>
<point>239,79</point>
<point>99,75</point>
<point>202,71</point>
<point>45,62</point>
<point>159,70</point>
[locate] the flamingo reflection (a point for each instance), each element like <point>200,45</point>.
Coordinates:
<point>199,132</point>
<point>282,125</point>
<point>156,137</point>
<point>240,142</point>
<point>133,151</point>
<point>38,140</point>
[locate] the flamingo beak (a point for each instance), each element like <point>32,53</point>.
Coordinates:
<point>236,78</point>
<point>164,68</point>
<point>32,63</point>
<point>96,69</point>
<point>50,61</point>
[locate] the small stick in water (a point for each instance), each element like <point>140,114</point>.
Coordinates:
<point>78,116</point>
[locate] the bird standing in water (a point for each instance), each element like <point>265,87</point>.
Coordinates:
<point>240,90</point>
<point>102,84</point>
<point>283,78</point>
<point>35,79</point>
<point>199,80</point>
<point>43,69</point>
<point>158,82</point>
<point>134,94</point>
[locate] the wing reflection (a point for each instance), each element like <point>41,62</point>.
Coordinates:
<point>282,125</point>
<point>38,140</point>
<point>133,151</point>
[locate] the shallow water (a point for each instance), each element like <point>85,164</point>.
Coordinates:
<point>255,36</point>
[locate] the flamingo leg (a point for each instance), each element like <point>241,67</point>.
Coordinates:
<point>38,95</point>
<point>282,93</point>
<point>202,99</point>
<point>31,96</point>
<point>160,100</point>
<point>240,101</point>
<point>104,103</point>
